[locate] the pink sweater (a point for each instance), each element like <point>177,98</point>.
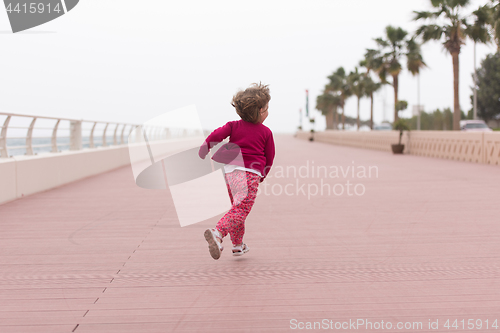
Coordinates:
<point>255,141</point>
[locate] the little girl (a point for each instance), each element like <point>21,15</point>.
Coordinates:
<point>256,144</point>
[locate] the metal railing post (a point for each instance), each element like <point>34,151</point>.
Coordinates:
<point>75,134</point>
<point>54,136</point>
<point>130,133</point>
<point>151,135</point>
<point>75,142</point>
<point>121,137</point>
<point>91,143</point>
<point>29,141</point>
<point>139,137</point>
<point>3,139</point>
<point>155,133</point>
<point>115,142</point>
<point>104,144</point>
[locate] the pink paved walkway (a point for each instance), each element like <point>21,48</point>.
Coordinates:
<point>102,255</point>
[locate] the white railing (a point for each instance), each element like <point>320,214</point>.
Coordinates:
<point>109,133</point>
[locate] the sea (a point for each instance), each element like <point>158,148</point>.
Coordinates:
<point>62,145</point>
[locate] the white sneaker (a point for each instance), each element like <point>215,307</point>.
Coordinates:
<point>240,249</point>
<point>214,239</point>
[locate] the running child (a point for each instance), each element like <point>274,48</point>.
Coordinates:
<point>256,144</point>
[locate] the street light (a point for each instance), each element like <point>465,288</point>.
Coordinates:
<point>475,83</point>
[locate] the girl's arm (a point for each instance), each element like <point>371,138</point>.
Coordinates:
<point>214,138</point>
<point>269,151</point>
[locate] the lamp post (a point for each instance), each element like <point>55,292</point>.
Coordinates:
<point>307,103</point>
<point>418,102</point>
<point>300,119</point>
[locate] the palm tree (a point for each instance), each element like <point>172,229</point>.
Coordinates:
<point>372,60</point>
<point>415,64</point>
<point>479,34</point>
<point>339,84</point>
<point>495,21</point>
<point>328,103</point>
<point>392,49</point>
<point>371,87</point>
<point>450,24</point>
<point>356,82</point>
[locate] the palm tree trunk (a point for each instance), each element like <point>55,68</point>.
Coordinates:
<point>358,113</point>
<point>371,111</point>
<point>329,118</point>
<point>456,104</point>
<point>395,80</point>
<point>343,117</point>
<point>335,118</point>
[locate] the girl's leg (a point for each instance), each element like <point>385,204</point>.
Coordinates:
<point>243,186</point>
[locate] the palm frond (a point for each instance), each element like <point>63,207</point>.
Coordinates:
<point>381,42</point>
<point>458,3</point>
<point>495,20</point>
<point>430,32</point>
<point>356,85</point>
<point>437,3</point>
<point>394,68</point>
<point>382,74</point>
<point>479,31</point>
<point>425,15</point>
<point>415,61</point>
<point>482,15</point>
<point>338,84</point>
<point>371,86</point>
<point>395,35</point>
<point>370,61</point>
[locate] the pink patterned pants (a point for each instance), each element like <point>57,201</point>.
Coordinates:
<point>242,187</point>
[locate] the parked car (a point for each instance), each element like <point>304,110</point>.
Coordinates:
<point>474,126</point>
<point>383,127</point>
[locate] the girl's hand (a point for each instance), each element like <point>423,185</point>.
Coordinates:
<point>203,151</point>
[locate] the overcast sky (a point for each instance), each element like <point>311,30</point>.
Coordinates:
<point>133,60</point>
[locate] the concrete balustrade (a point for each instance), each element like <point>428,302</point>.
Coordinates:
<point>24,175</point>
<point>32,173</point>
<point>461,146</point>
<point>371,140</point>
<point>492,148</point>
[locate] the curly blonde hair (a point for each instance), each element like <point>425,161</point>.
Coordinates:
<point>249,102</point>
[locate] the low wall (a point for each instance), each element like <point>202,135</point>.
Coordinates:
<point>8,179</point>
<point>24,175</point>
<point>462,146</point>
<point>380,140</point>
<point>492,148</point>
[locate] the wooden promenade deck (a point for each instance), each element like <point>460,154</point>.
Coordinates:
<point>102,255</point>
